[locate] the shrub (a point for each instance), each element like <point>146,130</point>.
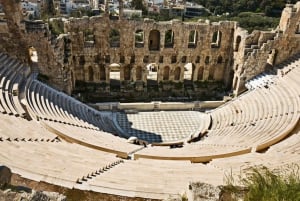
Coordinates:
<point>263,184</point>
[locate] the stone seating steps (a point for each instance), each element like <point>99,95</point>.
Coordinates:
<point>163,178</point>
<point>194,152</point>
<point>16,127</point>
<point>66,109</point>
<point>98,172</point>
<point>272,159</point>
<point>59,160</point>
<point>93,138</point>
<point>260,81</point>
<point>12,73</point>
<point>45,104</point>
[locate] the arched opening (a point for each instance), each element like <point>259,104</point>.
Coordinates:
<point>90,74</point>
<point>139,38</point>
<point>188,71</point>
<point>197,60</point>
<point>237,43</point>
<point>216,39</point>
<point>127,72</point>
<point>89,38</point>
<point>169,39</point>
<point>200,73</point>
<point>114,74</point>
<point>220,59</point>
<point>114,38</point>
<point>139,73</point>
<point>211,73</point>
<point>297,29</point>
<point>166,73</point>
<point>177,74</point>
<point>102,73</point>
<point>33,54</point>
<point>81,60</point>
<point>154,40</point>
<point>193,38</point>
<point>152,70</point>
<point>207,58</point>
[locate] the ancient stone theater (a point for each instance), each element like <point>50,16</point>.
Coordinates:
<point>52,139</point>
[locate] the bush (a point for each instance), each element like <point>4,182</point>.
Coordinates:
<point>267,185</point>
<point>263,184</point>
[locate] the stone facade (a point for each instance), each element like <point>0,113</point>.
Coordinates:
<point>133,54</point>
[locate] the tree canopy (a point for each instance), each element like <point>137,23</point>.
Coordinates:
<point>270,8</point>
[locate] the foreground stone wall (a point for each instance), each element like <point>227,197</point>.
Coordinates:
<point>132,55</point>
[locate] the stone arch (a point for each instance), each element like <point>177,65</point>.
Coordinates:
<point>127,72</point>
<point>152,70</point>
<point>193,39</point>
<point>220,59</point>
<point>207,60</point>
<point>90,74</point>
<point>177,73</point>
<point>237,43</point>
<point>169,39</point>
<point>211,73</point>
<point>166,73</point>
<point>114,73</point>
<point>200,73</point>
<point>33,56</point>
<point>102,72</point>
<point>154,40</point>
<point>188,71</point>
<point>139,38</point>
<point>216,39</point>
<point>81,60</point>
<point>139,73</point>
<point>114,38</point>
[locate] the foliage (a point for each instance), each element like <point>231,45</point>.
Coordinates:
<point>139,5</point>
<point>268,7</point>
<point>248,20</point>
<point>56,27</point>
<point>80,12</point>
<point>267,185</point>
<point>263,184</point>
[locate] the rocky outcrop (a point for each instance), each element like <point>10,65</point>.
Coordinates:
<point>5,176</point>
<point>12,195</point>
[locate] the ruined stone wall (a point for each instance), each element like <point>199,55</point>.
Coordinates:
<point>92,48</point>
<point>263,50</point>
<point>212,59</point>
<point>53,61</point>
<point>13,41</point>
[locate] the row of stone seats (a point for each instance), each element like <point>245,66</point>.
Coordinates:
<point>285,153</point>
<point>92,138</point>
<point>55,163</point>
<point>47,103</point>
<point>56,139</point>
<point>12,74</point>
<point>261,80</point>
<point>98,172</point>
<point>154,179</point>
